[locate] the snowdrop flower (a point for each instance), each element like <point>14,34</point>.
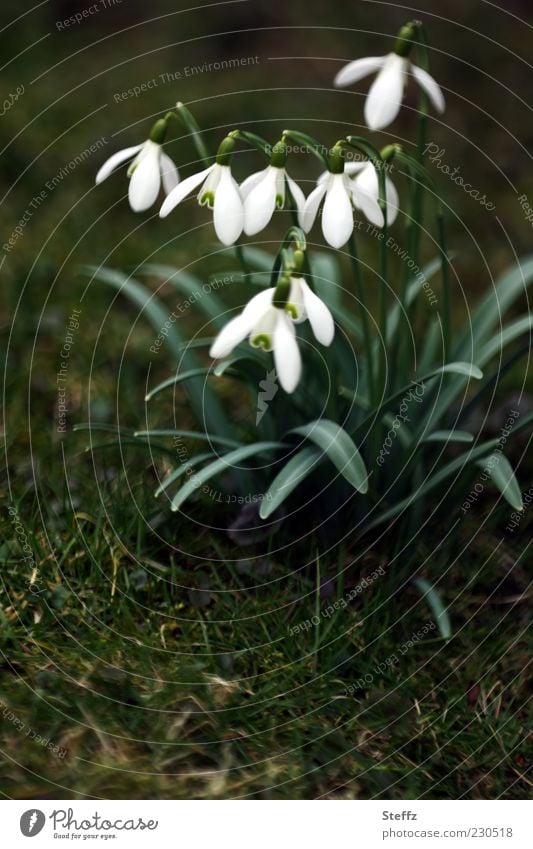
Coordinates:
<point>386,92</point>
<point>365,192</point>
<point>150,167</point>
<point>337,214</point>
<point>219,191</point>
<point>265,190</point>
<point>271,328</point>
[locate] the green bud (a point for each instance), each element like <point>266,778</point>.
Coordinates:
<point>404,40</point>
<point>336,159</point>
<point>225,150</point>
<point>278,157</point>
<point>158,131</point>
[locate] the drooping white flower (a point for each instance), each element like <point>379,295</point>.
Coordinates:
<point>220,192</point>
<point>262,192</point>
<point>386,92</point>
<point>150,167</point>
<point>272,328</point>
<point>337,214</point>
<point>365,192</point>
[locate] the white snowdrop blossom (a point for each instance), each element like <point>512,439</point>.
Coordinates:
<point>272,328</point>
<point>220,192</point>
<point>386,92</point>
<point>365,192</point>
<point>150,167</point>
<point>337,214</point>
<point>262,192</point>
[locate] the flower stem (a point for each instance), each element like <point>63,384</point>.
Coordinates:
<point>190,123</point>
<point>367,338</point>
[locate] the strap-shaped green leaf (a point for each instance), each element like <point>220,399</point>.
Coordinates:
<point>449,436</point>
<point>221,465</point>
<point>291,475</point>
<point>489,313</point>
<point>340,448</point>
<point>503,477</point>
<point>437,608</point>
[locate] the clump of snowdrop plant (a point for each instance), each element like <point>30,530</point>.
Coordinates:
<point>376,382</point>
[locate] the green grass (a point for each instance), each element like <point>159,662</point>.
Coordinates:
<point>169,675</point>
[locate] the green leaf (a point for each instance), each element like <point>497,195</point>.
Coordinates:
<point>178,378</point>
<point>291,475</point>
<point>449,436</point>
<point>503,477</point>
<point>181,470</point>
<point>205,404</point>
<point>413,290</point>
<point>189,434</point>
<point>489,313</point>
<point>221,465</point>
<point>327,276</point>
<point>497,345</point>
<point>437,608</point>
<point>192,287</point>
<point>455,466</point>
<point>458,368</point>
<point>340,448</point>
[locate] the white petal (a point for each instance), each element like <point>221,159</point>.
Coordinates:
<point>258,304</point>
<point>365,192</point>
<point>228,216</point>
<point>116,160</point>
<point>319,316</point>
<point>432,88</point>
<point>352,168</point>
<point>260,203</point>
<point>169,173</point>
<point>240,327</point>
<point>311,206</point>
<point>230,336</point>
<point>248,184</point>
<point>386,93</point>
<point>145,180</point>
<point>359,68</point>
<point>286,354</point>
<point>393,201</point>
<point>296,301</point>
<point>337,215</point>
<point>298,196</point>
<point>182,190</point>
<point>206,195</point>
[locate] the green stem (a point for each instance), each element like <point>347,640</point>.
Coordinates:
<point>367,338</point>
<point>190,123</point>
<point>446,290</point>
